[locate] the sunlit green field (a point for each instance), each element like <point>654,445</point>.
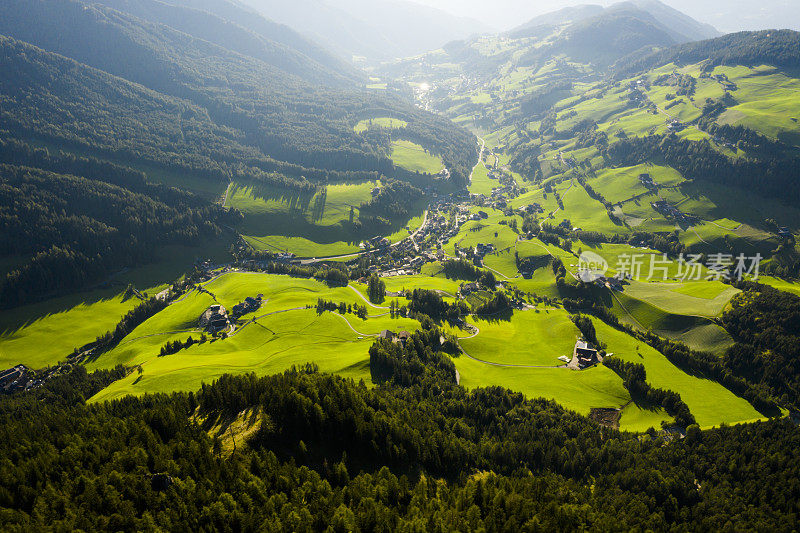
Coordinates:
<point>413,157</point>
<point>770,102</point>
<point>578,391</point>
<point>286,332</point>
<point>486,231</point>
<point>381,122</point>
<point>709,402</point>
<point>481,182</point>
<point>698,333</point>
<point>309,226</point>
<point>45,333</point>
<point>620,184</point>
<point>530,338</point>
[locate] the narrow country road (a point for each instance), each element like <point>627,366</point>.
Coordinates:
<point>365,299</point>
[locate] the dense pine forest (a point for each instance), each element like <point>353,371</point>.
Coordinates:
<point>122,98</point>
<point>416,452</point>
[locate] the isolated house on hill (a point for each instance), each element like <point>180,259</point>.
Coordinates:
<point>585,355</point>
<point>214,319</point>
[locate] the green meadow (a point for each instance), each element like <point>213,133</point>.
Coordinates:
<point>710,403</point>
<point>698,333</point>
<point>481,183</point>
<point>381,122</point>
<point>529,338</point>
<point>680,298</point>
<point>321,224</point>
<point>620,184</point>
<point>597,387</point>
<point>72,321</point>
<point>413,157</point>
<point>520,354</point>
<point>486,231</point>
<point>284,332</point>
<point>770,102</point>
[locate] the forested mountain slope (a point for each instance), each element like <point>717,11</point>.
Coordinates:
<point>278,113</point>
<point>197,101</point>
<point>780,48</point>
<point>260,39</point>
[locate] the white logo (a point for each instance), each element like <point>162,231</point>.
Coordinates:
<point>591,267</point>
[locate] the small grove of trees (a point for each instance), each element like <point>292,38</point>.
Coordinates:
<point>431,304</point>
<point>376,289</point>
<point>461,269</point>
<point>499,306</point>
<point>173,347</point>
<point>342,308</point>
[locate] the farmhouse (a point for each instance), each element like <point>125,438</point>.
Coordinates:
<point>249,305</point>
<point>585,356</point>
<point>532,209</point>
<point>386,334</point>
<point>469,288</point>
<point>483,249</point>
<point>214,319</point>
<point>284,257</point>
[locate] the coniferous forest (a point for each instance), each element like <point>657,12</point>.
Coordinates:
<point>417,452</point>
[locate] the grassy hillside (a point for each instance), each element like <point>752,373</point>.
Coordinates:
<point>285,332</point>
<point>413,157</point>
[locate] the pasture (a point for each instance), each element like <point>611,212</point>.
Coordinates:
<point>413,157</point>
<point>71,321</point>
<point>710,403</point>
<point>386,123</point>
<point>315,225</point>
<point>284,332</point>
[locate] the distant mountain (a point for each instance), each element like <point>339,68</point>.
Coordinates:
<point>235,27</point>
<point>154,92</point>
<point>614,33</point>
<point>557,18</point>
<point>377,30</point>
<point>682,26</point>
<point>253,98</point>
<point>652,13</point>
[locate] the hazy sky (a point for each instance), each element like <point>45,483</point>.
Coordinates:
<point>725,15</point>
